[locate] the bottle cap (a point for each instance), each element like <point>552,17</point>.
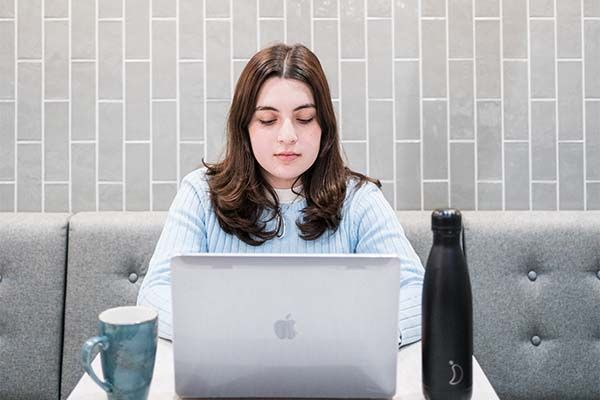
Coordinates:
<point>446,219</point>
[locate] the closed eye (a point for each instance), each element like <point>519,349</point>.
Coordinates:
<point>270,122</point>
<point>305,121</point>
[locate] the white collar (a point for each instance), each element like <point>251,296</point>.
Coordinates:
<point>286,196</point>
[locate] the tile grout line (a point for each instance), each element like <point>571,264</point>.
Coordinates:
<point>339,62</point>
<point>43,109</point>
<point>124,107</point>
<point>502,150</point>
<point>475,113</point>
<point>97,102</point>
<point>448,146</point>
<point>204,103</point>
<point>583,110</point>
<point>529,121</point>
<point>178,97</point>
<point>394,125</point>
<point>16,108</point>
<point>556,119</point>
<point>366,102</point>
<point>151,84</point>
<point>420,59</point>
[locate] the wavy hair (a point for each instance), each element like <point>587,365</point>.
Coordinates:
<point>238,191</point>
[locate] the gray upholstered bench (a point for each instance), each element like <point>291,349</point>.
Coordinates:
<point>535,279</point>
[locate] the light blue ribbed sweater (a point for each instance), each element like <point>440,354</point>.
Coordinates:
<point>369,225</point>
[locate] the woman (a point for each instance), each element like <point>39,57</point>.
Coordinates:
<point>282,187</point>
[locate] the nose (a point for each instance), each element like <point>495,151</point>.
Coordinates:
<point>287,133</point>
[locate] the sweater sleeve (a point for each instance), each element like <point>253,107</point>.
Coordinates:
<point>184,231</point>
<point>378,230</point>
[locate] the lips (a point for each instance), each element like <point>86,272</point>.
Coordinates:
<point>287,156</point>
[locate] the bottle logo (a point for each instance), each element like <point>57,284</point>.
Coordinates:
<point>457,373</point>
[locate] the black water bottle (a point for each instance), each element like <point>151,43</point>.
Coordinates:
<point>447,313</point>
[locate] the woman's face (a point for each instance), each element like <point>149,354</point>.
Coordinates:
<point>284,132</point>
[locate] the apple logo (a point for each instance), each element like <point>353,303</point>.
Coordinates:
<point>284,328</point>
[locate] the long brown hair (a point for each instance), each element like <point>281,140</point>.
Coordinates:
<point>238,191</point>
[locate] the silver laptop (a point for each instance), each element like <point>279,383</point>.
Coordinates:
<point>274,325</point>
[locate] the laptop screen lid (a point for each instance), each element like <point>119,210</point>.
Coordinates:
<point>285,325</point>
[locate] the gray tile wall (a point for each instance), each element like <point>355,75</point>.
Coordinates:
<point>475,104</point>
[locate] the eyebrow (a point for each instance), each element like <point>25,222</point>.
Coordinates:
<point>269,108</point>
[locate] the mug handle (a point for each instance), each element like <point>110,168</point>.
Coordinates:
<point>86,355</point>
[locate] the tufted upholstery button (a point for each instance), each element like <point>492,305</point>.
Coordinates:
<point>597,274</point>
<point>133,277</point>
<point>532,275</point>
<point>1,276</point>
<point>535,340</point>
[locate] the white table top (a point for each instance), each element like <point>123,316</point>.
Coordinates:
<point>163,382</point>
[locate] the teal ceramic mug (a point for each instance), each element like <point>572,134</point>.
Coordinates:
<point>127,341</point>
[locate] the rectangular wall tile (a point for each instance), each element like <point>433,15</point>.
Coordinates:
<point>592,58</point>
<point>568,28</point>
<point>353,124</point>
<point>379,61</point>
<point>191,36</point>
<point>164,62</point>
<point>163,8</point>
<point>435,195</point>
<point>460,28</point>
<point>191,100</point>
<point>406,29</point>
<point>56,197</point>
<point>7,60</point>
<point>56,63</point>
<point>516,175</point>
<point>7,141</point>
<point>137,101</point>
<point>489,196</point>
<point>110,197</point>
<point>433,62</point>
<point>433,8</point>
<point>83,29</point>
<point>137,177</point>
<point>56,142</point>
<point>462,176</point>
<point>164,141</point>
<point>238,67</point>
<point>487,8</point>
<point>352,19</point>
<point>7,8</point>
<point>190,157</point>
<point>514,28</point>
<point>356,156</point>
<point>29,177</point>
<point>593,196</point>
<point>591,8</point>
<point>408,176</point>
<point>489,140</point>
<point>516,113</point>
<point>110,142</point>
<point>272,31</point>
<point>570,170</point>
<point>408,97</point>
<point>217,9</point>
<point>218,60</point>
<point>541,8</point>
<point>83,100</point>
<point>543,140</point>
<point>244,28</point>
<point>137,29</point>
<point>29,15</point>
<point>592,139</point>
<point>326,48</point>
<point>7,197</point>
<point>113,8</point>
<point>570,107</point>
<point>379,8</point>
<point>163,195</point>
<point>29,103</point>
<point>542,58</point>
<point>272,8</point>
<point>83,177</point>
<point>325,8</point>
<point>298,21</point>
<point>435,140</point>
<point>110,60</point>
<point>381,139</point>
<point>216,114</point>
<point>461,99</point>
<point>544,196</point>
<point>388,192</point>
<point>487,61</point>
